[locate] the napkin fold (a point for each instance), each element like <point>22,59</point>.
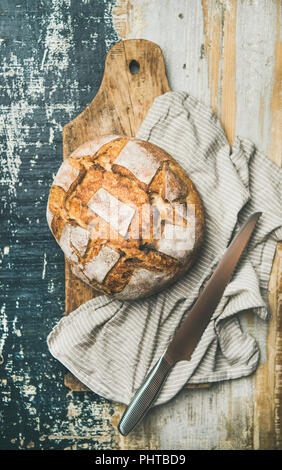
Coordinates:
<point>111,345</point>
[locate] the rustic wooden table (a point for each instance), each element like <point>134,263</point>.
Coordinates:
<point>225,53</point>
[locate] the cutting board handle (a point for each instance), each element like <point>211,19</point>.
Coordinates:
<point>134,76</point>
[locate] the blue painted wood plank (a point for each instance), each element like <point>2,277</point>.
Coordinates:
<point>52,61</point>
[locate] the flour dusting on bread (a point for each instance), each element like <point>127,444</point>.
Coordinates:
<point>126,215</point>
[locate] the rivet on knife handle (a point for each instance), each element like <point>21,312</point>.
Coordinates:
<point>145,396</point>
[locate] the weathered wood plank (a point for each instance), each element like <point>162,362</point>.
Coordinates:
<point>268,384</point>
<point>52,65</point>
<point>228,87</point>
<point>52,58</point>
<point>227,56</point>
<point>267,392</point>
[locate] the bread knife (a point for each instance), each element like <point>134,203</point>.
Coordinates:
<point>188,335</point>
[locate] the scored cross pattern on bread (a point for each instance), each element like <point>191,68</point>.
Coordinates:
<point>126,215</point>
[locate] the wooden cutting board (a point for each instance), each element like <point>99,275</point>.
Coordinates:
<point>134,76</point>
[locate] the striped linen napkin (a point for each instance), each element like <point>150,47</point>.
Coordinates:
<point>111,345</point>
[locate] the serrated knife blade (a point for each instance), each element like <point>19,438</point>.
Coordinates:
<point>188,335</point>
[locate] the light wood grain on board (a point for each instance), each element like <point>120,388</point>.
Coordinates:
<point>268,389</point>
<point>228,55</point>
<point>119,107</point>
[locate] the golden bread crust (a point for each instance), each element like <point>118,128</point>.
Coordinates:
<point>112,208</point>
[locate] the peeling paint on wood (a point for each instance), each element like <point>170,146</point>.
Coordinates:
<point>225,53</point>
<point>52,60</point>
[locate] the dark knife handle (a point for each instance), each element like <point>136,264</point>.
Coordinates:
<point>145,396</point>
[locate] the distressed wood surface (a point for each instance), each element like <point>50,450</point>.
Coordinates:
<point>230,56</point>
<point>225,53</point>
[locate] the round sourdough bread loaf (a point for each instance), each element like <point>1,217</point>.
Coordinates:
<point>126,215</point>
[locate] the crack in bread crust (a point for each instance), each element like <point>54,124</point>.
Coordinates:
<point>153,203</point>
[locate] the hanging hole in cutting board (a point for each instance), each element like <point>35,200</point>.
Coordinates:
<point>134,67</point>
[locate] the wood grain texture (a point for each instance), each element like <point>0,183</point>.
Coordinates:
<point>119,108</point>
<point>237,71</point>
<point>53,55</point>
<point>268,383</point>
<point>52,59</point>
